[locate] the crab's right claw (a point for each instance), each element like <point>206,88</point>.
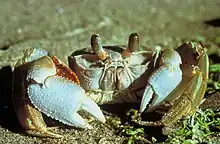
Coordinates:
<point>61,99</point>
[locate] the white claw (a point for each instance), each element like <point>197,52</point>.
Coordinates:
<point>60,99</point>
<point>78,121</point>
<point>163,81</point>
<point>90,106</point>
<point>147,96</point>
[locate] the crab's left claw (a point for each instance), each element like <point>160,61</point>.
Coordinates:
<point>163,81</point>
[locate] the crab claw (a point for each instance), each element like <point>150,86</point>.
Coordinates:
<point>168,72</point>
<point>42,83</point>
<point>61,99</point>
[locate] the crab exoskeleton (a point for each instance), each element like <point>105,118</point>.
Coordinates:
<point>135,72</point>
<point>42,83</point>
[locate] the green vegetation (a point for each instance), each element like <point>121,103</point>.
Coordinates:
<point>214,68</point>
<point>204,125</point>
<point>134,134</point>
<point>197,129</point>
<point>214,78</point>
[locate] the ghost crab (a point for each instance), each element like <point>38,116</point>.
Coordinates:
<point>106,72</point>
<point>133,73</point>
<point>42,83</point>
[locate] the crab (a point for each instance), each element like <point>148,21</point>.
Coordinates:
<point>43,84</point>
<point>107,72</point>
<point>117,72</point>
<point>135,73</point>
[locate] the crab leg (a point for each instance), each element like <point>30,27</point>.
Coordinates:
<point>34,121</point>
<point>182,105</point>
<point>203,64</point>
<point>96,45</point>
<point>168,72</point>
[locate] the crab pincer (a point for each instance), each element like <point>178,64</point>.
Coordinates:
<point>42,83</point>
<point>163,80</point>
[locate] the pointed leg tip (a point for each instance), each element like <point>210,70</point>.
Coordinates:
<point>52,135</point>
<point>59,136</point>
<point>46,133</point>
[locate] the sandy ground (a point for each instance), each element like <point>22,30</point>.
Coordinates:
<point>64,26</point>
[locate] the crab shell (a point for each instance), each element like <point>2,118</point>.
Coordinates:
<point>42,83</point>
<point>105,78</point>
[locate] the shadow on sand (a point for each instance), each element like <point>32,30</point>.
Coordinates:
<point>213,22</point>
<point>8,117</point>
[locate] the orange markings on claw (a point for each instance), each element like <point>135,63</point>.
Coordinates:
<point>64,71</point>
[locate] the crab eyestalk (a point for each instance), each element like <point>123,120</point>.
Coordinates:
<point>133,42</point>
<point>96,45</point>
<point>133,45</point>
